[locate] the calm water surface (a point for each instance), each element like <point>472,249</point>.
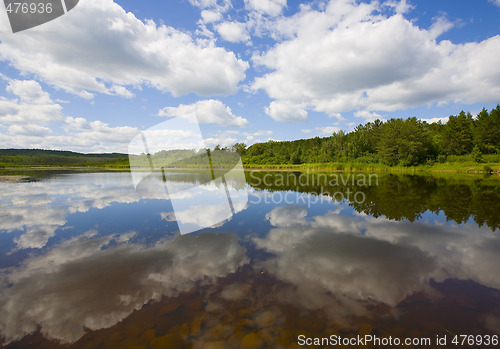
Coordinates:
<point>87,261</point>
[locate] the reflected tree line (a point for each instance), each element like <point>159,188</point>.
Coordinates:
<point>397,196</point>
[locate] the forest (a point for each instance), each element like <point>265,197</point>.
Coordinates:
<point>51,158</point>
<point>404,142</point>
<point>396,142</point>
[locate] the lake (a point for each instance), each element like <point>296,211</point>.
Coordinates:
<point>276,260</point>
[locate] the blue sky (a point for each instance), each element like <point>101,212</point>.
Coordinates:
<point>252,70</point>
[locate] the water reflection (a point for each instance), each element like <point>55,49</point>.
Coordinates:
<point>397,196</point>
<point>81,284</point>
<point>38,210</point>
<point>387,265</point>
<point>364,258</point>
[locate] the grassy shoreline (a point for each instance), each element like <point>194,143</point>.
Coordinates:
<point>459,167</point>
<point>376,167</point>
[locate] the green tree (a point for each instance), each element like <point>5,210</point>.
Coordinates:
<point>296,157</point>
<point>339,142</point>
<point>487,130</point>
<point>240,148</point>
<point>404,142</point>
<point>476,154</point>
<point>457,136</point>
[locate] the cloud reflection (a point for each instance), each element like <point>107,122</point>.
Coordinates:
<point>39,209</point>
<point>360,258</point>
<point>83,284</point>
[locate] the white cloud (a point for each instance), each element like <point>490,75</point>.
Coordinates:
<point>400,6</point>
<point>208,112</point>
<point>230,137</point>
<point>348,56</point>
<point>233,32</point>
<point>27,117</point>
<point>203,3</point>
<point>322,131</point>
<point>433,120</point>
<point>219,5</point>
<point>255,137</point>
<point>368,116</point>
<point>286,111</point>
<point>441,25</point>
<point>337,116</point>
<point>33,106</point>
<point>496,2</point>
<point>327,131</point>
<point>209,16</point>
<point>98,47</point>
<point>121,91</point>
<point>98,131</point>
<point>222,140</point>
<point>269,7</point>
<point>29,130</point>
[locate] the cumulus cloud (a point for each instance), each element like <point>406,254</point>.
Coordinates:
<point>99,47</point>
<point>287,111</point>
<point>322,131</point>
<point>327,131</point>
<point>98,131</point>
<point>441,25</point>
<point>208,112</point>
<point>233,32</point>
<point>350,57</point>
<point>31,118</point>
<point>368,116</point>
<point>209,16</point>
<point>29,130</point>
<point>443,120</point>
<point>31,109</point>
<point>228,138</point>
<point>269,7</point>
<point>99,137</point>
<point>219,5</point>
<point>400,6</point>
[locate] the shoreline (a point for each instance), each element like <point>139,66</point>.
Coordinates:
<point>17,179</point>
<point>274,168</point>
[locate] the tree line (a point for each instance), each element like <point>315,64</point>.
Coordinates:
<point>41,157</point>
<point>405,142</point>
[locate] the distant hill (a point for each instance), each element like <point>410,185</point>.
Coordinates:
<point>41,157</point>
